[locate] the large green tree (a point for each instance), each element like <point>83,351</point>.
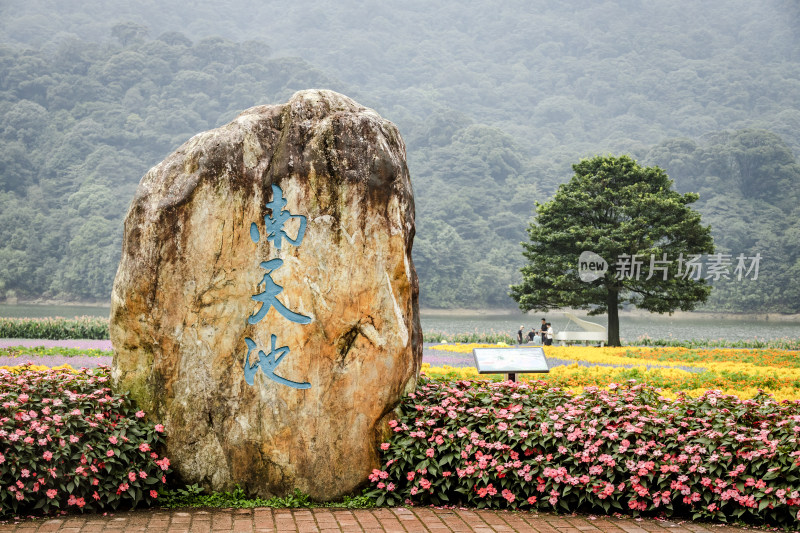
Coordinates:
<point>631,217</point>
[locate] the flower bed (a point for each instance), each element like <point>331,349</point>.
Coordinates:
<point>627,449</point>
<point>742,372</point>
<point>53,356</point>
<point>68,442</point>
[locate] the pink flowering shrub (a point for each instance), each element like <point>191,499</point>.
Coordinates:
<point>67,442</point>
<point>527,446</point>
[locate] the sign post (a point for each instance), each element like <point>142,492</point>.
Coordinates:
<point>511,361</point>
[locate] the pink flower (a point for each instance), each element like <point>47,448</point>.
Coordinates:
<point>47,455</point>
<point>132,476</point>
<point>144,447</point>
<point>508,495</point>
<point>159,428</point>
<point>429,452</point>
<point>384,446</point>
<point>110,453</point>
<point>532,500</point>
<point>154,494</point>
<point>139,414</point>
<point>163,463</point>
<point>410,475</point>
<point>112,439</point>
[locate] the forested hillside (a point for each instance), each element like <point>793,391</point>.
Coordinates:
<point>81,124</point>
<point>495,102</point>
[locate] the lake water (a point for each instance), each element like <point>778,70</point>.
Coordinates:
<point>684,327</point>
<point>630,329</point>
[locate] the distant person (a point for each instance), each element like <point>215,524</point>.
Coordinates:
<point>543,328</point>
<point>537,339</point>
<point>520,333</point>
<point>548,336</point>
<point>531,334</point>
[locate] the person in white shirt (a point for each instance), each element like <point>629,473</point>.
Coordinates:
<point>548,336</point>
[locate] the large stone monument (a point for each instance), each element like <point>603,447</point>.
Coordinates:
<point>265,307</point>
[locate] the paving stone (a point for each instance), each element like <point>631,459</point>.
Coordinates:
<point>382,520</point>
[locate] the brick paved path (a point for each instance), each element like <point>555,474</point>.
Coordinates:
<point>383,520</point>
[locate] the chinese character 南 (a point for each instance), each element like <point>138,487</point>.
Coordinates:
<point>273,224</point>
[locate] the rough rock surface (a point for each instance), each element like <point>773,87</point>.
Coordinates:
<point>190,270</point>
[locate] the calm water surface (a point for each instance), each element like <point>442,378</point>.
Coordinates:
<point>631,328</point>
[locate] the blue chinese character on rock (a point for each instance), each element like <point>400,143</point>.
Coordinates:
<point>273,223</point>
<point>268,363</point>
<point>269,298</point>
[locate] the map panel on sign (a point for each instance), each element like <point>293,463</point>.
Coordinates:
<point>508,360</point>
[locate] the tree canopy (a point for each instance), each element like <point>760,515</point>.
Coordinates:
<point>629,216</point>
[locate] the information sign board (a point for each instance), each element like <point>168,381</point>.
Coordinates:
<point>510,360</point>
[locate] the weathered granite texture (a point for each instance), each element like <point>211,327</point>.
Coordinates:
<point>189,270</point>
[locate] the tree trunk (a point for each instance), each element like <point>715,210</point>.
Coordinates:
<point>613,318</point>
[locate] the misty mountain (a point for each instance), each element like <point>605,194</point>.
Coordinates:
<point>495,101</point>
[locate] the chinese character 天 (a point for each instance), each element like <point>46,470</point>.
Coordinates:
<point>275,234</point>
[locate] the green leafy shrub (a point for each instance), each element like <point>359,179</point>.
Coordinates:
<point>86,327</point>
<point>68,442</point>
<point>527,446</point>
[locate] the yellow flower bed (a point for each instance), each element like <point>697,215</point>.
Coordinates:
<point>16,369</point>
<point>769,370</point>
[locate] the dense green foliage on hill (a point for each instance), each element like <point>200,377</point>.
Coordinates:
<point>495,102</point>
<point>79,126</point>
<point>749,185</point>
